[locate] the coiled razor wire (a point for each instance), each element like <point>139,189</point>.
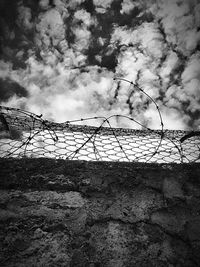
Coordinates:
<point>24,134</point>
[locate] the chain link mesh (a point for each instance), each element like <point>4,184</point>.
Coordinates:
<point>24,134</point>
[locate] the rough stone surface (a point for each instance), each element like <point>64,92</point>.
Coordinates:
<point>76,213</point>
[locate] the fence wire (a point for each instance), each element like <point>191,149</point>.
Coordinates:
<point>24,134</point>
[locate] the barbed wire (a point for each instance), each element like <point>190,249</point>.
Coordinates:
<point>25,134</point>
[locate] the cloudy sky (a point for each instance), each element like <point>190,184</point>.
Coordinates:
<point>59,57</point>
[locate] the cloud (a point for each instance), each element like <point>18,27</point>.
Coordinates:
<point>24,18</point>
<point>83,16</point>
<point>60,94</point>
<point>102,5</point>
<point>50,29</point>
<point>10,88</point>
<point>192,69</point>
<point>81,33</point>
<point>180,24</point>
<point>171,118</point>
<point>128,5</point>
<point>169,65</point>
<point>44,4</point>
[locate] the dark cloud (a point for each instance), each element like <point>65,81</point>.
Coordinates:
<point>16,40</point>
<point>8,11</point>
<point>89,6</point>
<point>10,88</point>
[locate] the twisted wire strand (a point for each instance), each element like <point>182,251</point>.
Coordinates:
<point>72,141</point>
<point>157,108</point>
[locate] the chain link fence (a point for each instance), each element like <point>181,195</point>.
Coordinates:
<point>24,134</point>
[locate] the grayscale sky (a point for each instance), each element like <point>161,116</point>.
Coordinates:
<point>59,58</point>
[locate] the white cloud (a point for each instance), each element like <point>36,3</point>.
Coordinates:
<point>25,18</point>
<point>84,16</point>
<point>192,69</point>
<point>102,5</point>
<point>44,4</point>
<point>147,36</point>
<point>5,68</point>
<point>192,88</point>
<point>179,24</point>
<point>50,29</point>
<point>82,38</point>
<point>171,62</point>
<point>62,8</point>
<point>73,3</point>
<point>128,5</point>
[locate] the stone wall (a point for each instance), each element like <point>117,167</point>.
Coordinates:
<point>74,213</point>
